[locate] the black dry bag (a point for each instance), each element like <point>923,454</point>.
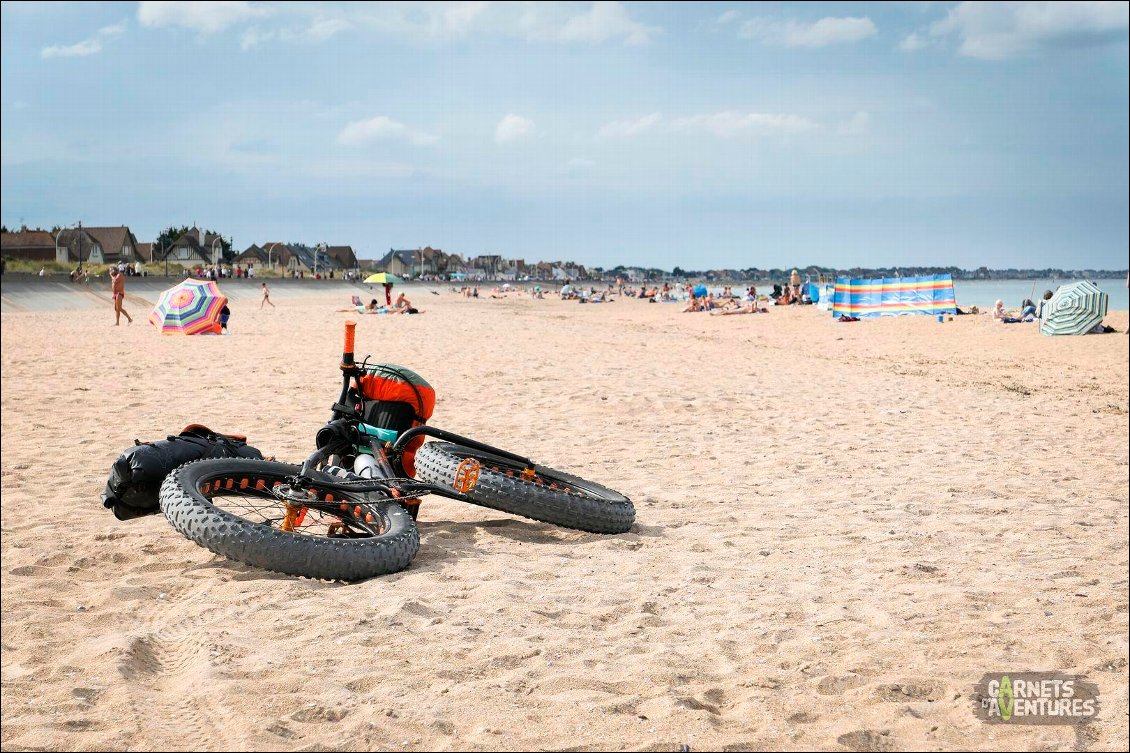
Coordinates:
<point>135,478</point>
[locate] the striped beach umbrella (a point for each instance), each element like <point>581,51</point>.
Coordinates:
<point>190,308</point>
<point>1074,309</point>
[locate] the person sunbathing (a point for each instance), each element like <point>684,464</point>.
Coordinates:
<point>751,308</point>
<point>372,307</point>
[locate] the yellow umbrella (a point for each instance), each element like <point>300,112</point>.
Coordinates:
<point>383,278</point>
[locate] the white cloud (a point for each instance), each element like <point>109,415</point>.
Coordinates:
<point>458,19</point>
<point>80,49</point>
<point>628,128</point>
<point>319,30</point>
<point>729,123</point>
<point>382,128</point>
<point>324,28</point>
<point>994,31</point>
<point>727,17</point>
<point>413,22</point>
<point>254,37</point>
<point>822,33</point>
<point>604,21</point>
<point>513,127</point>
<point>91,46</point>
<point>857,124</point>
<point>114,30</point>
<point>205,17</point>
<point>912,43</point>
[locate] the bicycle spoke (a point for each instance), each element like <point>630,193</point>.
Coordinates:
<point>262,506</point>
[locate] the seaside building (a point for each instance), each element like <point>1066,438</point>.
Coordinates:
<point>416,262</point>
<point>195,247</point>
<point>97,245</point>
<point>311,260</point>
<point>271,254</point>
<point>344,256</point>
<point>29,245</point>
<point>253,255</point>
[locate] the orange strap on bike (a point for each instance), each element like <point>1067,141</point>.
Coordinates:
<point>347,352</point>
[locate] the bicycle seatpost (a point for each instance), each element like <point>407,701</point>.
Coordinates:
<point>347,351</point>
<point>348,369</point>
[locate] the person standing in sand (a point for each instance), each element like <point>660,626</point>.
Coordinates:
<point>266,296</point>
<point>118,290</point>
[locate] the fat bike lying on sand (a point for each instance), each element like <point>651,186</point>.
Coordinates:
<point>349,512</point>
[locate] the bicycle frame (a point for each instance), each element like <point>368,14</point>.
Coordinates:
<point>341,433</point>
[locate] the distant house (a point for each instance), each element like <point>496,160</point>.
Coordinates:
<point>431,261</point>
<point>272,254</point>
<point>118,244</point>
<point>145,252</point>
<point>401,263</point>
<point>32,245</point>
<point>489,263</point>
<point>253,254</point>
<point>195,247</point>
<point>302,258</point>
<point>453,263</point>
<point>98,245</point>
<point>419,261</point>
<point>78,245</point>
<point>344,255</point>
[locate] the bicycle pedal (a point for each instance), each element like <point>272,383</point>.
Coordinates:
<point>467,475</point>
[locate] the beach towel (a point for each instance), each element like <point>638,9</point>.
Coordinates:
<point>136,476</point>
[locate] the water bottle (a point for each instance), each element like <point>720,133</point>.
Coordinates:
<point>365,466</point>
<point>339,472</point>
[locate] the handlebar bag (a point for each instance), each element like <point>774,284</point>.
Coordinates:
<point>135,477</point>
<point>395,397</point>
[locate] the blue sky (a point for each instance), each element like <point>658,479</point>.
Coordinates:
<point>699,135</point>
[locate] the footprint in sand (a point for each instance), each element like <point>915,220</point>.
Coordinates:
<point>868,740</point>
<point>836,685</point>
<point>908,692</point>
<point>317,714</point>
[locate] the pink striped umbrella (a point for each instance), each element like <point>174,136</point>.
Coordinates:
<point>190,308</point>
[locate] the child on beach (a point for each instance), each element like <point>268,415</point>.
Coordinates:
<point>266,296</point>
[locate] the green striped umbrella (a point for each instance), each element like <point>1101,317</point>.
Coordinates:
<point>382,277</point>
<point>1074,309</point>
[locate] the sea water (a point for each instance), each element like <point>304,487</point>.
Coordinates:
<point>984,293</point>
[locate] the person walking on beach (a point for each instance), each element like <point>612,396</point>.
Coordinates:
<point>118,290</point>
<point>266,297</point>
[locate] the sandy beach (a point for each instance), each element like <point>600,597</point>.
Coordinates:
<point>840,529</point>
